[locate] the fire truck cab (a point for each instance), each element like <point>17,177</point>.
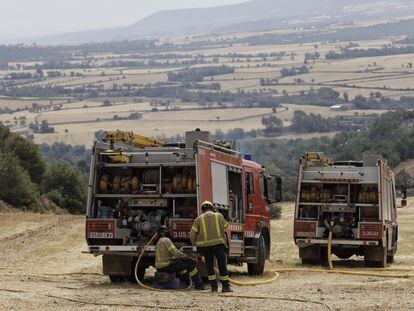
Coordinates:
<point>132,192</point>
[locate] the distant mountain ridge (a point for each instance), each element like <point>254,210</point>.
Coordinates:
<point>254,15</point>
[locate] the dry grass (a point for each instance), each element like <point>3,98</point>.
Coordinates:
<point>38,245</point>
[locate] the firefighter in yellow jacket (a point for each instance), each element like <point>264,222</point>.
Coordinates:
<point>169,259</point>
<point>208,235</point>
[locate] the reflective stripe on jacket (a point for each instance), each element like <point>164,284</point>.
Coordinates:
<point>208,229</point>
<point>165,251</point>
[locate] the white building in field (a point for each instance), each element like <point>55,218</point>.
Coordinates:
<point>341,107</point>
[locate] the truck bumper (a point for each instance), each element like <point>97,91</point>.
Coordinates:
<point>307,242</point>
<point>102,249</point>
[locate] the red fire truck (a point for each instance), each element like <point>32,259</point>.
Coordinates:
<point>133,191</point>
<point>356,200</point>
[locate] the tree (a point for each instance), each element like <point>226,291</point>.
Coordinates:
<point>28,155</point>
<point>65,187</point>
<point>45,128</point>
<point>39,72</point>
<point>272,124</point>
<point>135,116</point>
<point>328,93</point>
<point>106,103</point>
<point>16,188</point>
<point>346,97</point>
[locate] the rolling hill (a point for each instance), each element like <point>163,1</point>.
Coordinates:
<point>254,15</point>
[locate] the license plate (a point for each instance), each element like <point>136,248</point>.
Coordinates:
<point>100,235</point>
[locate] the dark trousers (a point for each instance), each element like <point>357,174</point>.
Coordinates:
<point>186,269</point>
<point>220,253</point>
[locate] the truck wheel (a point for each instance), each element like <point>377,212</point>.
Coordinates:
<point>390,255</point>
<point>324,256</point>
<point>312,255</point>
<point>116,278</point>
<point>258,267</point>
<point>378,259</point>
<point>141,271</point>
<point>309,262</point>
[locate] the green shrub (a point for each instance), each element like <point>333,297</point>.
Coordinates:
<point>16,188</point>
<point>56,197</point>
<point>275,211</point>
<point>65,187</point>
<point>28,155</point>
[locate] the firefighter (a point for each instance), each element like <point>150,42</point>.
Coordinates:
<point>170,260</point>
<point>208,235</point>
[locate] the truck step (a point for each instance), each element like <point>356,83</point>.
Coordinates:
<point>250,247</point>
<point>250,259</point>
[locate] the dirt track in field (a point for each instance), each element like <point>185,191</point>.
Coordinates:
<point>33,246</point>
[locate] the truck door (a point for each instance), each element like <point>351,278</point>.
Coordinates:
<point>219,179</point>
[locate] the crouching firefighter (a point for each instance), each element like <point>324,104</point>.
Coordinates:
<point>169,260</point>
<point>210,238</point>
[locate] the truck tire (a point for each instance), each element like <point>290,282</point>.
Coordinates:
<point>324,256</point>
<point>116,278</point>
<point>309,262</point>
<point>141,271</point>
<point>258,267</point>
<point>312,255</point>
<point>378,259</point>
<point>390,255</point>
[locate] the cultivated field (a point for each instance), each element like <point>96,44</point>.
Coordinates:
<point>169,123</point>
<point>42,267</point>
<point>76,119</point>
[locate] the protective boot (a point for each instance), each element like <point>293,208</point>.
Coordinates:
<point>198,283</point>
<point>214,286</point>
<point>226,288</point>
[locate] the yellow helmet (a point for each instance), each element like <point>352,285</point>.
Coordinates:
<point>206,205</point>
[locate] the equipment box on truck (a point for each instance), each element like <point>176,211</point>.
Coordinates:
<point>354,200</point>
<point>132,192</point>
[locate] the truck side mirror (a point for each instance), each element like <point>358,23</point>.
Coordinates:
<point>278,189</point>
<point>273,189</point>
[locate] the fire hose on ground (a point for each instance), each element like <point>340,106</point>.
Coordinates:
<point>234,282</point>
<point>348,272</point>
<point>278,271</point>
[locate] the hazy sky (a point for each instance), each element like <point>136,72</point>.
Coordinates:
<point>27,18</point>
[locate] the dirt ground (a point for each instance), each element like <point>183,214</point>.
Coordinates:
<point>34,246</point>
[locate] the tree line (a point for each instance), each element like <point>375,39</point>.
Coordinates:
<point>357,53</point>
<point>198,74</point>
